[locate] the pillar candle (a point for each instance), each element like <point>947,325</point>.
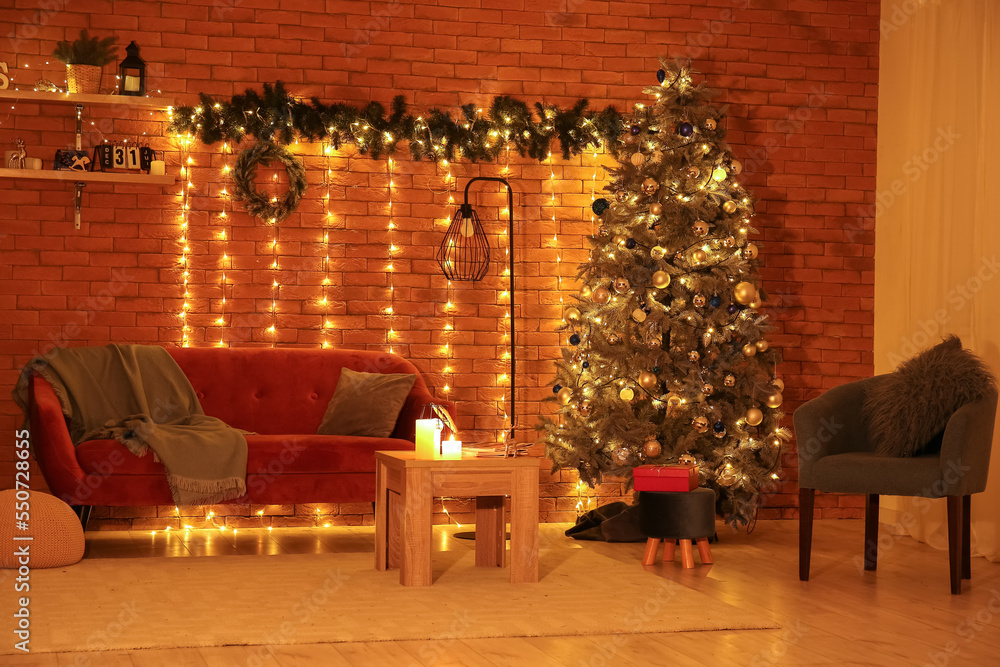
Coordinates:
<point>428,438</point>
<point>157,168</point>
<point>451,449</point>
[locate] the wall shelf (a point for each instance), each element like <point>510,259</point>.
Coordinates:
<point>88,176</point>
<point>80,99</point>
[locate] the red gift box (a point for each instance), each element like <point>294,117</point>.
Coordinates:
<point>665,478</point>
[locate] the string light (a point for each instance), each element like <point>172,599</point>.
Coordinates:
<point>225,262</point>
<point>390,269</point>
<point>185,173</point>
<point>327,223</point>
<point>275,285</point>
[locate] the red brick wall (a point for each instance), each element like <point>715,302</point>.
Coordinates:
<point>799,76</point>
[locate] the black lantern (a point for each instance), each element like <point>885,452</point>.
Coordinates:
<point>132,73</point>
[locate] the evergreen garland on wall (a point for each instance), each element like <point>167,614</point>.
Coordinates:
<point>277,116</point>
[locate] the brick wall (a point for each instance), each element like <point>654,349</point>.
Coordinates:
<point>799,76</point>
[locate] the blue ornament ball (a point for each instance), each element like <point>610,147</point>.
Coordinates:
<point>656,369</point>
<point>586,364</point>
<point>685,129</point>
<point>600,205</point>
<point>635,130</point>
<point>629,243</point>
<point>574,339</point>
<point>715,301</point>
<point>719,427</point>
<point>732,309</point>
<point>556,388</point>
<point>661,75</point>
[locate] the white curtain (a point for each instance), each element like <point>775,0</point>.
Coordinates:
<point>937,231</point>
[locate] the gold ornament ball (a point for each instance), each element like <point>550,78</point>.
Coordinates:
<point>653,342</point>
<point>774,400</point>
<point>621,285</point>
<point>707,389</point>
<point>710,124</point>
<point>761,345</point>
<point>729,242</point>
<point>586,292</point>
<point>614,339</point>
<point>657,252</point>
<point>699,255</point>
<point>603,231</point>
<point>699,300</point>
<point>726,478</point>
<point>637,159</point>
<point>652,448</point>
<point>619,239</point>
<point>661,279</point>
<point>700,228</point>
<point>749,350</point>
<point>621,456</point>
<point>639,315</point>
<point>754,417</point>
<point>700,424</point>
<point>601,295</point>
<point>687,459</point>
<point>586,409</point>
<point>647,380</point>
<point>692,172</point>
<point>565,395</point>
<point>578,357</point>
<point>656,208</point>
<point>719,174</point>
<point>737,166</point>
<point>693,356</point>
<point>750,251</point>
<point>673,400</point>
<point>572,314</point>
<point>778,384</point>
<point>650,186</point>
<point>744,293</point>
<point>621,196</point>
<point>756,303</point>
<point>729,380</point>
<point>626,394</point>
<point>729,206</point>
<point>706,339</point>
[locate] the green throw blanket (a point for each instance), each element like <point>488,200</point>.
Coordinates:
<point>138,395</point>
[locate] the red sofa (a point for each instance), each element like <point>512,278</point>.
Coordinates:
<point>280,394</point>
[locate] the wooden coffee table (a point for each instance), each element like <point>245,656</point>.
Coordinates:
<point>405,487</point>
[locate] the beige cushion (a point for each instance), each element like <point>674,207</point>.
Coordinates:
<point>58,535</point>
<point>366,404</point>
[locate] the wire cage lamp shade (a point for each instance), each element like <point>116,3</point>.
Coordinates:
<point>465,251</point>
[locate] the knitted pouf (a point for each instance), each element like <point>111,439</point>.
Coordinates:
<point>55,529</point>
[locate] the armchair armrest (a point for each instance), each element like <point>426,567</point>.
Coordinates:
<point>965,448</point>
<point>831,424</point>
<point>406,424</point>
<point>51,443</point>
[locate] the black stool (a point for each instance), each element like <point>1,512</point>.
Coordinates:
<point>684,516</point>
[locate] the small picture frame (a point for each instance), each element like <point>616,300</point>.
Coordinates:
<point>71,160</point>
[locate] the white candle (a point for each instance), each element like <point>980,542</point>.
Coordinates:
<point>451,449</point>
<point>428,438</point>
<point>157,168</point>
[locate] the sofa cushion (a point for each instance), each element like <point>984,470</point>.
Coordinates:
<point>366,404</point>
<point>267,454</point>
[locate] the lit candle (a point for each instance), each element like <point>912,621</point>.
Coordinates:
<point>428,438</point>
<point>157,168</point>
<point>451,449</point>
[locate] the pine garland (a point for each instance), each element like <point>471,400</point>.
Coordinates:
<point>279,117</point>
<point>245,173</point>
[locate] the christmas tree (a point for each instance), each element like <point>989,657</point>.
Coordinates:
<point>667,355</point>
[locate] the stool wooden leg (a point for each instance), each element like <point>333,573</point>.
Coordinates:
<point>668,549</point>
<point>704,551</point>
<point>649,557</point>
<point>687,554</point>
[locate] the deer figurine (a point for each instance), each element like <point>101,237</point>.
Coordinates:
<point>17,159</point>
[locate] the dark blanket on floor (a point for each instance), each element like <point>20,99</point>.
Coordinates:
<point>138,395</point>
<point>614,522</point>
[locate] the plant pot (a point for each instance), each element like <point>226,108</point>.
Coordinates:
<point>83,79</point>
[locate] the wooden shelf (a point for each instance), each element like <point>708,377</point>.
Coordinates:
<point>88,176</point>
<point>86,100</point>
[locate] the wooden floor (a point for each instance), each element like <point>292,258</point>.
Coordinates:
<point>901,615</point>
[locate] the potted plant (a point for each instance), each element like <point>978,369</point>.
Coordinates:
<point>85,57</point>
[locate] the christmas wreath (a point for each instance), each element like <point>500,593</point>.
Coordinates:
<point>256,202</point>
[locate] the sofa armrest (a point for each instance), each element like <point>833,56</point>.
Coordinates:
<point>831,424</point>
<point>419,398</point>
<point>51,443</point>
<point>965,448</point>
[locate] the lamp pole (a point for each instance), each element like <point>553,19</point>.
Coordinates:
<point>466,210</point>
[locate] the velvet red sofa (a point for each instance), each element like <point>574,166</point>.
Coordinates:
<point>279,394</point>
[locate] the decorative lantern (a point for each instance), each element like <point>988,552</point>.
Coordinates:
<point>465,252</point>
<point>132,73</point>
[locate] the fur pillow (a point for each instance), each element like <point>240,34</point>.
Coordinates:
<point>912,405</point>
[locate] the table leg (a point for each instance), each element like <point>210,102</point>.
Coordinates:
<point>524,526</point>
<point>381,517</point>
<point>394,531</point>
<point>416,496</point>
<point>491,531</point>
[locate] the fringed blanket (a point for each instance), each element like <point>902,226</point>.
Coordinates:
<point>138,395</point>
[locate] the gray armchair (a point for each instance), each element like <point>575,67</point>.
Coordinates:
<point>835,455</point>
